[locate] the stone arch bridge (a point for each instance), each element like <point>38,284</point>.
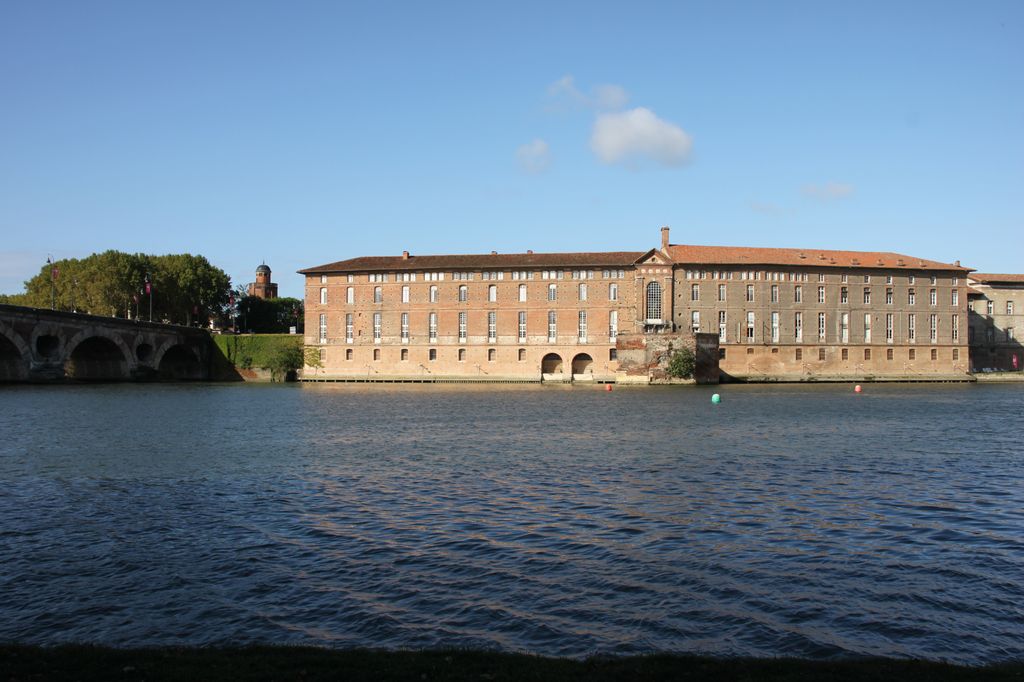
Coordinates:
<point>45,345</point>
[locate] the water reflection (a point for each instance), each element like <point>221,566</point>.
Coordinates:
<point>802,521</point>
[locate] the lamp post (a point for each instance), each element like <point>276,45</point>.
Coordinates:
<point>149,292</point>
<point>53,282</point>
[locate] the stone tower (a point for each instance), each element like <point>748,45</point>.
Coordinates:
<point>263,287</point>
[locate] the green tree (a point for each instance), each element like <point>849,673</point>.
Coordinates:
<point>270,315</point>
<point>284,361</point>
<point>312,358</point>
<point>680,365</point>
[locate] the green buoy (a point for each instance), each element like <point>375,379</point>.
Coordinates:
<point>716,398</point>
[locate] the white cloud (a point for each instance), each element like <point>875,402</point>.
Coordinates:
<point>565,95</point>
<point>828,191</point>
<point>637,134</point>
<point>766,208</point>
<point>534,156</point>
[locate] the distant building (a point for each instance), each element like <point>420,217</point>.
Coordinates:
<point>263,287</point>
<point>995,317</point>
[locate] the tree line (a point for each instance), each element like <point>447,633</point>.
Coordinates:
<point>185,289</point>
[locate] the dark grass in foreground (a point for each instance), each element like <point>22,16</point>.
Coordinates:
<point>75,662</point>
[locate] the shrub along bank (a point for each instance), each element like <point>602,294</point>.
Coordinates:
<point>279,353</point>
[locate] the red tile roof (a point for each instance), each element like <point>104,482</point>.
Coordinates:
<point>990,278</point>
<point>684,254</point>
<point>616,259</point>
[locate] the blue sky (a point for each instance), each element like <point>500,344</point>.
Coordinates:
<point>307,132</point>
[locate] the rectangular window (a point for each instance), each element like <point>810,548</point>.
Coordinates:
<point>954,297</point>
<point>867,353</point>
<point>798,294</point>
<point>821,354</point>
<point>613,325</point>
<point>323,295</point>
<point>821,294</point>
<point>912,354</point>
<point>694,292</point>
<point>844,327</point>
<point>348,328</point>
<point>492,293</point>
<point>613,292</point>
<point>405,327</point>
<point>552,292</point>
<point>552,326</point>
<point>1009,307</point>
<point>888,327</point>
<point>889,354</point>
<point>933,280</point>
<point>432,327</point>
<point>1009,333</point>
<point>911,297</point>
<point>932,299</point>
<point>888,279</point>
<point>821,326</point>
<point>323,279</point>
<point>582,328</point>
<point>462,326</point>
<point>846,354</point>
<point>695,321</point>
<point>404,355</point>
<point>750,327</point>
<point>350,295</point>
<point>911,327</point>
<point>433,293</point>
<point>844,278</point>
<point>463,293</point>
<point>933,327</point>
<point>378,295</point>
<point>821,278</point>
<point>750,293</point>
<point>775,293</point>
<point>432,354</point>
<point>405,293</point>
<point>721,326</point>
<point>721,292</point>
<point>583,292</point>
<point>844,295</point>
<point>989,307</point>
<point>798,327</point>
<point>956,354</point>
<point>492,325</point>
<point>867,327</point>
<point>522,325</point>
<point>955,327</point>
<point>799,353</point>
<point>323,328</point>
<point>910,279</point>
<point>522,293</point>
<point>376,328</point>
<point>888,296</point>
<point>867,296</point>
<point>935,354</point>
<point>775,327</point>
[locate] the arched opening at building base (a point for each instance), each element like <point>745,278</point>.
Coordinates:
<point>13,366</point>
<point>582,364</point>
<point>551,364</point>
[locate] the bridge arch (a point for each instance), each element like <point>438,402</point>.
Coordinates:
<point>94,354</point>
<point>177,360</point>
<point>47,343</point>
<point>15,355</point>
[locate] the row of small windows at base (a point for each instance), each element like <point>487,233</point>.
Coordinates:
<point>431,356</point>
<point>890,353</point>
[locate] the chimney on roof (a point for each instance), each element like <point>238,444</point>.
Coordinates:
<point>664,238</point>
<point>405,255</point>
<point>956,263</point>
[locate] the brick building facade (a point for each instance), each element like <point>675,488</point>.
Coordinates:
<point>262,287</point>
<point>778,313</point>
<point>996,317</point>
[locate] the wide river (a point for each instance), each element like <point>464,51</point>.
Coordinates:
<point>786,521</point>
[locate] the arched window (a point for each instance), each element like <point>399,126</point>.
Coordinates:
<point>522,292</point>
<point>433,293</point>
<point>378,295</point>
<point>654,302</point>
<point>463,292</point>
<point>350,295</point>
<point>492,293</point>
<point>323,295</point>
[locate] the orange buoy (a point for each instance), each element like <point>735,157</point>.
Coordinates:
<point>607,387</point>
<point>856,389</point>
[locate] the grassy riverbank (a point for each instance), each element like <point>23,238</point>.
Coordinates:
<point>19,663</point>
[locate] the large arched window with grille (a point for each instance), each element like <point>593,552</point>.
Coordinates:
<point>654,302</point>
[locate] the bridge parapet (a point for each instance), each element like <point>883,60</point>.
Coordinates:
<point>44,345</point>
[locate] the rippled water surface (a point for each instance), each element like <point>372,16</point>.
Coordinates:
<point>791,520</point>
